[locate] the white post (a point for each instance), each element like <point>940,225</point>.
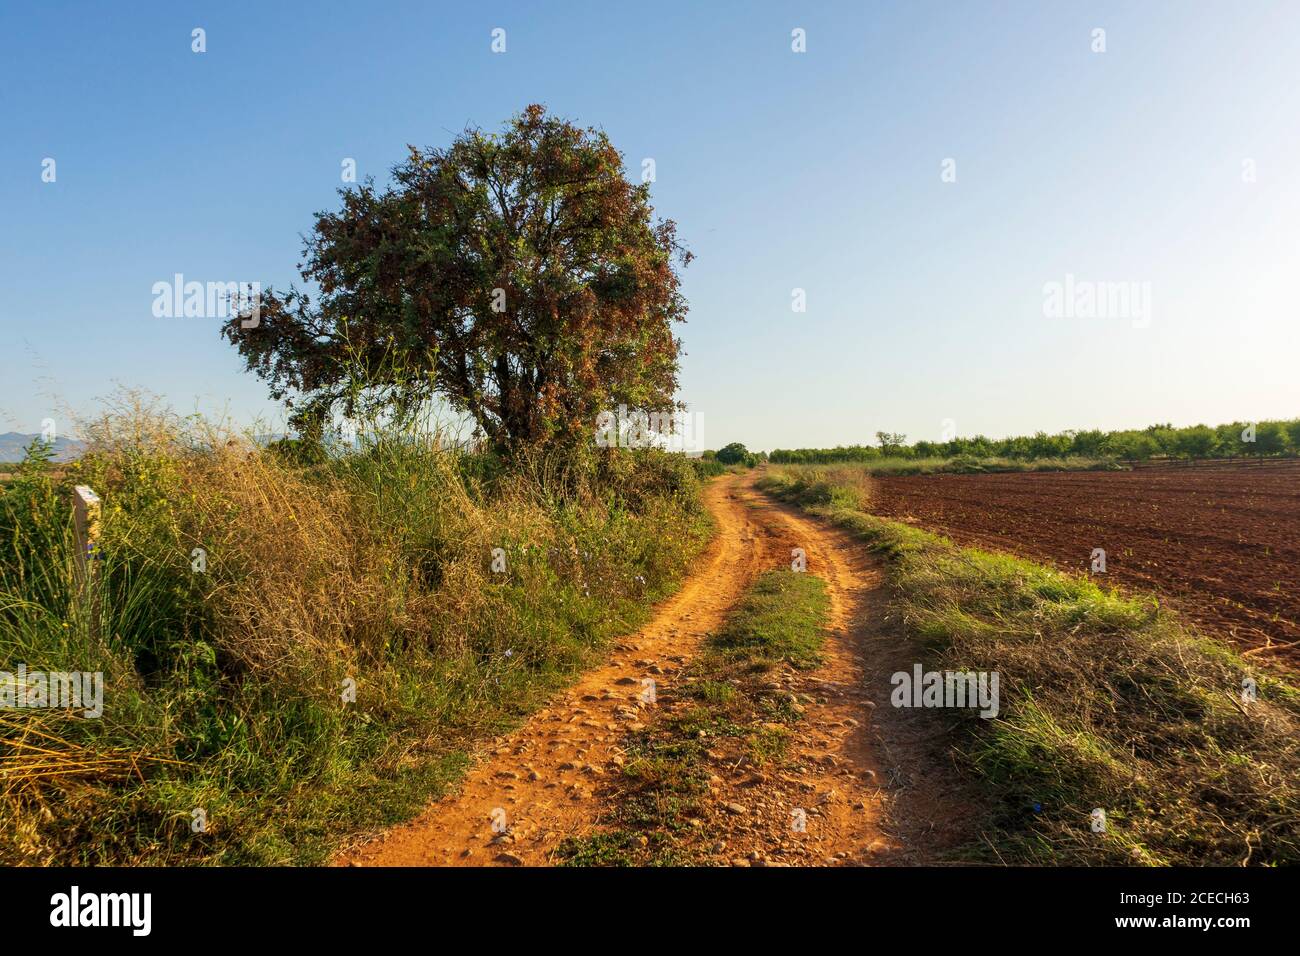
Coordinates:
<point>86,511</point>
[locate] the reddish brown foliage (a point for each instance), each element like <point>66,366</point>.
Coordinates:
<point>519,275</point>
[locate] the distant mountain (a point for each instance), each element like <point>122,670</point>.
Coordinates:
<point>13,444</point>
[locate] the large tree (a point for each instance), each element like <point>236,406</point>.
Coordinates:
<point>519,275</point>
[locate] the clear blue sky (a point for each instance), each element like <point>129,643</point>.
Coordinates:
<point>818,171</point>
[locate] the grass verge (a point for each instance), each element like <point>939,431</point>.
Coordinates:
<point>297,646</point>
<point>1107,702</point>
<point>961,465</point>
<point>727,702</point>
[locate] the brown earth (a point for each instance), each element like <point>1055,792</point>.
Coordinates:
<point>831,774</point>
<point>873,781</point>
<point>1222,542</point>
<point>542,783</point>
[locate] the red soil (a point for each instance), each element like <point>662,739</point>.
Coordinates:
<point>1222,542</point>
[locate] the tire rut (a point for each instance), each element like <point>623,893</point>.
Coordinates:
<point>531,788</point>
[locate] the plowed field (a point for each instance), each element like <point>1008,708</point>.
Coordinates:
<point>1221,542</point>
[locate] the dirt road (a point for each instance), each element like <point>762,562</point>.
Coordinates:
<point>539,784</point>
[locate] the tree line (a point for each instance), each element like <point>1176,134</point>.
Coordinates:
<point>1238,439</point>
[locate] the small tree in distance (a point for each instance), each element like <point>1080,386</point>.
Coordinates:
<point>891,444</point>
<point>734,454</point>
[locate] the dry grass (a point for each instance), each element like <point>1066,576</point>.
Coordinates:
<point>223,685</point>
<point>33,754</point>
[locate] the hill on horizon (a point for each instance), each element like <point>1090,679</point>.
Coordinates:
<point>14,444</point>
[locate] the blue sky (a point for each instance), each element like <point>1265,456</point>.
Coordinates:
<point>818,170</point>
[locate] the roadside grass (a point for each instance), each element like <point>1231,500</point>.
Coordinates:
<point>661,799</point>
<point>848,484</point>
<point>972,465</point>
<point>960,465</point>
<point>224,688</point>
<point>1107,702</point>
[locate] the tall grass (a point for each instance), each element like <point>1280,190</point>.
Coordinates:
<point>1107,701</point>
<point>839,486</point>
<point>243,591</point>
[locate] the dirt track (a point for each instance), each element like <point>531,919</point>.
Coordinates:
<point>542,779</point>
<point>1221,541</point>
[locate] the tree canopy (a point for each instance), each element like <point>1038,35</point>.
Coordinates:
<point>519,275</point>
<point>733,454</point>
